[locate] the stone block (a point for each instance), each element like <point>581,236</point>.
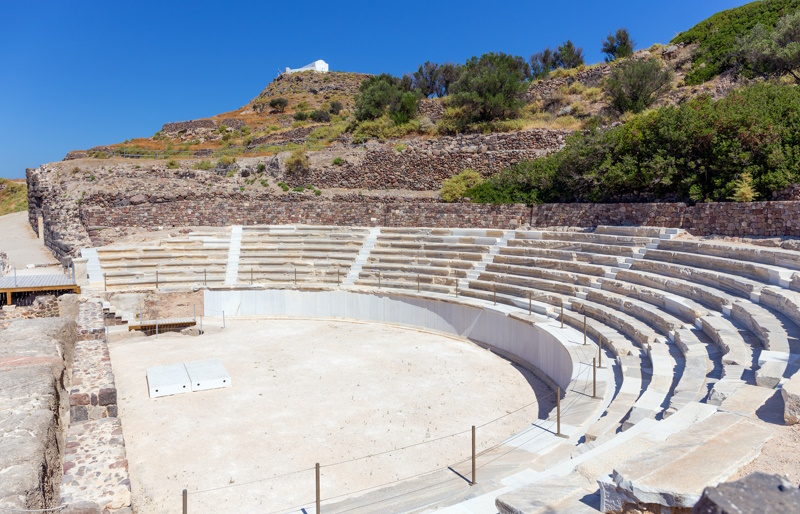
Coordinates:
<point>790,392</point>
<point>108,396</point>
<point>78,413</point>
<point>758,493</point>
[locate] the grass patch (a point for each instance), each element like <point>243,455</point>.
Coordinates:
<point>13,196</point>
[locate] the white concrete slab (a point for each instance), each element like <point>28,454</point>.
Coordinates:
<point>168,380</point>
<point>206,375</point>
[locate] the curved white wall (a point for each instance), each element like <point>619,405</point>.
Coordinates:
<point>532,343</point>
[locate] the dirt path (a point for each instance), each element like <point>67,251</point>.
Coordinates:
<point>19,242</point>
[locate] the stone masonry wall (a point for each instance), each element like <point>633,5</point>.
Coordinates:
<point>42,307</point>
<point>753,219</point>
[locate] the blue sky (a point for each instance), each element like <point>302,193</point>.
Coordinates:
<point>79,74</point>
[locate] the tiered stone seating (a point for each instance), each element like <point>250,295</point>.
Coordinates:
<point>427,259</point>
<point>298,254</point>
<point>180,262</point>
<point>696,335</point>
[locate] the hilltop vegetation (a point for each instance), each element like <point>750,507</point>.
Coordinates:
<point>702,150</point>
<point>13,196</point>
<point>718,36</point>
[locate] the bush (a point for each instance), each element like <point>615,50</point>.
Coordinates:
<point>299,189</point>
<point>279,103</point>
<point>320,116</point>
<point>635,85</point>
<point>172,164</point>
<point>384,94</point>
<point>297,162</point>
<point>300,116</point>
<point>383,128</point>
<point>454,188</point>
<point>619,45</point>
<point>490,87</point>
<point>336,107</point>
<point>542,63</point>
<point>718,35</point>
<point>695,151</point>
<point>203,165</point>
<point>338,161</point>
<point>743,190</point>
<point>261,167</point>
<point>284,186</point>
<point>226,161</point>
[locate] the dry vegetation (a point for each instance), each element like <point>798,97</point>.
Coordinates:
<point>13,196</point>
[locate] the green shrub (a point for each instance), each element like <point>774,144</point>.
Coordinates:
<point>328,132</point>
<point>336,107</point>
<point>317,192</point>
<point>774,53</point>
<point>226,161</point>
<point>303,106</point>
<point>696,151</point>
<point>279,103</point>
<point>338,161</point>
<point>490,87</point>
<point>743,190</point>
<point>299,189</point>
<point>718,35</point>
<point>284,186</point>
<point>636,85</point>
<point>384,94</point>
<point>300,116</point>
<point>297,162</point>
<point>172,164</point>
<point>320,116</point>
<point>456,186</point>
<point>261,167</point>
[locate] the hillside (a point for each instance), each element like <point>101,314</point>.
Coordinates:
<point>13,196</point>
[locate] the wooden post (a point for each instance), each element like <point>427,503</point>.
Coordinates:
<point>558,410</point>
<point>317,470</point>
<point>474,479</point>
<point>185,502</point>
<point>599,353</point>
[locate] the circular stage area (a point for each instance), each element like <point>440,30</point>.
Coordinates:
<point>307,391</point>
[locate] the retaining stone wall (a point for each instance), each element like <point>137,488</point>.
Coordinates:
<point>731,219</point>
<point>42,307</point>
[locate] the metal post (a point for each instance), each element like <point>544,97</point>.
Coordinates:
<point>337,277</point>
<point>156,326</point>
<point>530,304</point>
<point>223,319</point>
<point>105,280</point>
<point>201,324</point>
<point>474,479</point>
<point>194,309</point>
<point>418,282</point>
<point>156,279</point>
<point>185,502</point>
<point>15,277</point>
<point>494,291</point>
<point>251,275</point>
<point>558,410</point>
<point>141,315</point>
<point>317,472</point>
<point>594,378</point>
<point>73,273</point>
<point>584,329</point>
<point>456,289</point>
<point>379,279</point>
<point>562,313</point>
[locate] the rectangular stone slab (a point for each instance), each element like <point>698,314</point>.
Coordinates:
<point>168,380</point>
<point>209,374</point>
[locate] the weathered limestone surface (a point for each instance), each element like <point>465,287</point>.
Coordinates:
<point>33,375</point>
<point>758,493</point>
<point>791,400</point>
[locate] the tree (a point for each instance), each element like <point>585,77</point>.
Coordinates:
<point>542,63</point>
<point>447,75</point>
<point>425,79</point>
<point>743,189</point>
<point>336,107</point>
<point>774,53</point>
<point>618,45</point>
<point>491,87</point>
<point>384,94</point>
<point>279,103</point>
<point>568,55</point>
<point>636,85</point>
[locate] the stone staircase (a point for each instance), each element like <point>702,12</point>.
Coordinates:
<point>232,271</point>
<point>363,257</point>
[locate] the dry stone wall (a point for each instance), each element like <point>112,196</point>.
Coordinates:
<point>42,307</point>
